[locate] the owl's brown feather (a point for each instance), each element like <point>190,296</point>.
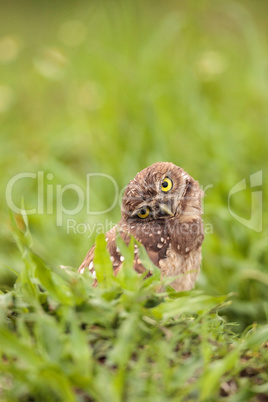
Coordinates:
<point>172,233</point>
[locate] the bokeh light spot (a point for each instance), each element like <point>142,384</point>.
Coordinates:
<point>211,64</point>
<point>72,33</point>
<point>51,63</point>
<point>9,49</point>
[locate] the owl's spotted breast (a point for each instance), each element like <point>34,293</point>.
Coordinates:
<point>162,209</point>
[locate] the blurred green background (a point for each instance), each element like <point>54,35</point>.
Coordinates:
<point>113,86</point>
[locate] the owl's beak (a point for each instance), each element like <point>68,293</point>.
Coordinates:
<point>165,210</point>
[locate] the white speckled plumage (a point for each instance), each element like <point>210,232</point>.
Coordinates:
<point>171,232</point>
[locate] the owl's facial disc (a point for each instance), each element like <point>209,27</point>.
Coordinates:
<point>156,193</point>
<point>152,210</point>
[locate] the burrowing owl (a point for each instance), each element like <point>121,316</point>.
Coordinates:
<point>162,209</point>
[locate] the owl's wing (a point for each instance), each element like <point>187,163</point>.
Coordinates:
<point>156,244</point>
<point>115,256</point>
<point>151,246</point>
<point>88,261</point>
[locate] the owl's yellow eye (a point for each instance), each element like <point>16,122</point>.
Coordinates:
<point>143,213</point>
<point>166,184</point>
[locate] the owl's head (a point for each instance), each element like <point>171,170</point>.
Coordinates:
<point>161,191</point>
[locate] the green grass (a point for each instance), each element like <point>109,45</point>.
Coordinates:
<point>62,339</point>
<point>111,87</point>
